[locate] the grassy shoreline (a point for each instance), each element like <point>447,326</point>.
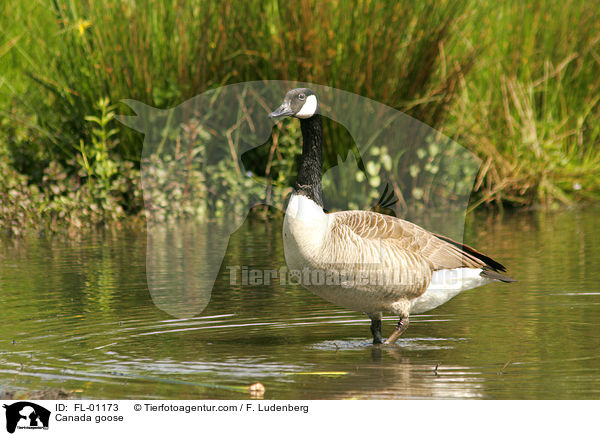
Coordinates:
<point>514,83</point>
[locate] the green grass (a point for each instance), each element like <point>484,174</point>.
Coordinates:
<point>515,83</point>
<point>531,106</point>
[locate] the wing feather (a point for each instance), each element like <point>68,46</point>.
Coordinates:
<point>406,237</point>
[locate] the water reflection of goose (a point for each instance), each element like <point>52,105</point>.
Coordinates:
<point>367,261</point>
<point>399,376</point>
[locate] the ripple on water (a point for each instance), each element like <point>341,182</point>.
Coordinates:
<point>412,344</point>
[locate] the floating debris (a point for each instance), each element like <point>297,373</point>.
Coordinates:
<point>257,390</point>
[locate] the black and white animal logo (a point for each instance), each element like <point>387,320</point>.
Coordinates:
<point>26,415</point>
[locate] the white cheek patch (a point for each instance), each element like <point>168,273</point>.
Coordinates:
<point>309,108</point>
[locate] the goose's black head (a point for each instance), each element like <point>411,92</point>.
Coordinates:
<point>300,103</point>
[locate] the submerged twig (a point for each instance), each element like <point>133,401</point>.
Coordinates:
<point>504,367</point>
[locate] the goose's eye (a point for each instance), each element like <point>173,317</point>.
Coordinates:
<point>302,96</point>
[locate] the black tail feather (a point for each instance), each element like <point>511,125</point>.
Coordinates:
<point>490,263</point>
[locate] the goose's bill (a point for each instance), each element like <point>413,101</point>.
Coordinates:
<point>282,111</point>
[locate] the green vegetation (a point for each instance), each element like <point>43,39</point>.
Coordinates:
<point>515,83</point>
<point>531,106</point>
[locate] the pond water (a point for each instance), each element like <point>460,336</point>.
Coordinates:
<point>78,316</point>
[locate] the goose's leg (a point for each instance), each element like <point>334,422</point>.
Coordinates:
<point>376,327</point>
<point>400,328</point>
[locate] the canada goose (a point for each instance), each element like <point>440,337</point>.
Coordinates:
<point>381,263</point>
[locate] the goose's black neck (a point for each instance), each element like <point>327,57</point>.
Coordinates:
<point>308,181</point>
